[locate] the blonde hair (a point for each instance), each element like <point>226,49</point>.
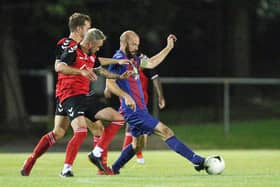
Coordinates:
<point>94,34</point>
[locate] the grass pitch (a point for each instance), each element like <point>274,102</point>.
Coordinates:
<point>248,168</point>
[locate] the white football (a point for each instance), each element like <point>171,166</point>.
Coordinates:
<point>214,164</point>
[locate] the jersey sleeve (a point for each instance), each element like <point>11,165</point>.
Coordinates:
<point>117,68</point>
<point>151,73</point>
<point>97,64</point>
<point>58,52</point>
<point>69,55</point>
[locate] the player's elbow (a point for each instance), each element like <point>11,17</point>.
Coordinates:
<point>59,67</point>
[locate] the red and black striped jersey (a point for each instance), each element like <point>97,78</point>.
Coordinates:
<point>70,53</point>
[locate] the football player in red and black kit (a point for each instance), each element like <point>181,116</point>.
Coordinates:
<point>75,71</point>
<point>78,25</point>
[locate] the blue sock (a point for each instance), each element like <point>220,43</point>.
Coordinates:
<point>125,156</point>
<point>183,150</point>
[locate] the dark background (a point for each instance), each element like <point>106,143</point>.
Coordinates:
<point>216,38</point>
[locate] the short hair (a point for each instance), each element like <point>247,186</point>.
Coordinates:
<point>77,20</point>
<point>94,34</point>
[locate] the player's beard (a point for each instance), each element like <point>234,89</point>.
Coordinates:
<point>130,54</point>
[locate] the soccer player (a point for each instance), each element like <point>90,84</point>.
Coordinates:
<point>75,71</point>
<point>78,25</point>
<point>139,120</point>
<point>145,76</point>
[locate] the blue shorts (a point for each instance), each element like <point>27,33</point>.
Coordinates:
<point>141,122</point>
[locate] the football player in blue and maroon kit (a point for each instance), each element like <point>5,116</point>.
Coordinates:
<point>145,76</point>
<point>139,120</point>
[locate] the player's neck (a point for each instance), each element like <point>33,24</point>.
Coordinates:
<point>123,50</point>
<point>85,49</point>
<point>76,37</point>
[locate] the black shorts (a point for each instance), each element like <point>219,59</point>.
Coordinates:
<point>83,105</point>
<point>59,109</point>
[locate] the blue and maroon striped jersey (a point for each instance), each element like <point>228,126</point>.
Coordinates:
<point>132,85</point>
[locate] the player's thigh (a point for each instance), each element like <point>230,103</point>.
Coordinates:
<point>163,131</point>
<point>108,114</point>
<point>79,122</point>
<point>61,124</point>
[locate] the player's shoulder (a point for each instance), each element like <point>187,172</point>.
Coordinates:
<point>67,43</point>
<point>119,55</point>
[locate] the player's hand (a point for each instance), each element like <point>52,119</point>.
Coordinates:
<point>130,102</point>
<point>107,93</point>
<point>161,102</point>
<point>124,61</point>
<point>171,39</point>
<point>127,74</point>
<point>88,73</point>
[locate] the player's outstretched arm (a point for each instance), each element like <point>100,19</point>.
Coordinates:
<point>110,75</point>
<point>155,60</point>
<point>115,89</point>
<point>159,92</point>
<point>61,67</point>
<point>106,61</point>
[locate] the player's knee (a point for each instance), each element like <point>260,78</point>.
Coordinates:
<point>119,118</point>
<point>167,133</point>
<point>58,133</point>
<point>79,122</point>
<point>96,129</point>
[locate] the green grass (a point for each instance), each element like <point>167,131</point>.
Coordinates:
<point>261,134</point>
<point>248,168</point>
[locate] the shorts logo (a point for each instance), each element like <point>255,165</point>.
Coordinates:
<point>81,112</point>
<point>71,112</point>
<point>60,109</point>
